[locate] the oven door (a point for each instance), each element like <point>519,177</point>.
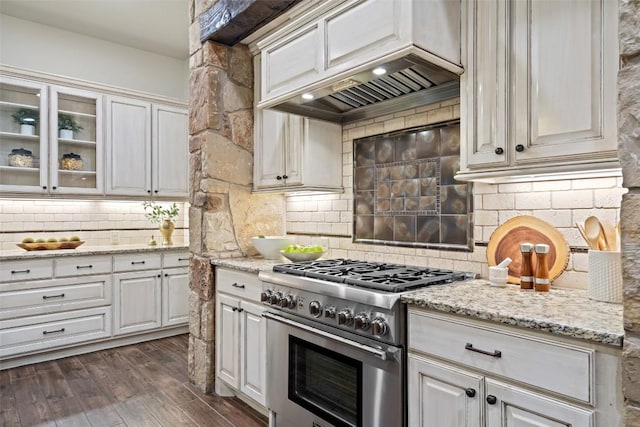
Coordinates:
<point>318,379</point>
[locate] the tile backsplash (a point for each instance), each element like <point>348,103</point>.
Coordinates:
<point>97,222</point>
<point>560,203</point>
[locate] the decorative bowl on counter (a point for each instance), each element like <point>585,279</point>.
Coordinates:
<point>270,246</point>
<point>302,256</point>
<point>49,246</point>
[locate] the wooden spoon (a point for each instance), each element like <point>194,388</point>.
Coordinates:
<point>582,233</point>
<point>610,235</point>
<point>594,233</point>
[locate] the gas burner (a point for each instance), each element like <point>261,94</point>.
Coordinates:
<point>384,277</point>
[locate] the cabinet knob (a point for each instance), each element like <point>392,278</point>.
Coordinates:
<point>278,177</point>
<point>166,274</point>
<point>44,187</point>
<point>155,191</point>
<point>499,150</point>
<point>519,148</point>
<point>234,309</point>
<point>54,188</point>
<point>491,399</point>
<point>149,191</point>
<point>470,392</point>
<point>284,177</point>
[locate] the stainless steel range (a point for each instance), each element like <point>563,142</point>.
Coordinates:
<point>336,341</point>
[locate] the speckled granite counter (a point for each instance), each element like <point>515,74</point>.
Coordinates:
<point>566,312</point>
<point>251,265</point>
<point>20,254</point>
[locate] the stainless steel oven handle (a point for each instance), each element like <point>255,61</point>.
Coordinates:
<point>374,351</point>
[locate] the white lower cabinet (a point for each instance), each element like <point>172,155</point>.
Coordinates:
<point>138,299</point>
<point>464,373</point>
<point>240,335</point>
<point>70,305</point>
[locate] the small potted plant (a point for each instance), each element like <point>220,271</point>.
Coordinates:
<point>67,126</point>
<point>164,217</point>
<point>27,119</point>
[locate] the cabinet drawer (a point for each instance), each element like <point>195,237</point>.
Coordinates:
<point>239,283</point>
<point>549,365</point>
<point>176,259</point>
<point>11,271</point>
<point>56,296</point>
<point>77,266</point>
<point>36,333</point>
<point>135,262</point>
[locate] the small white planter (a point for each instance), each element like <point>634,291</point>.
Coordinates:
<point>66,134</point>
<point>27,129</point>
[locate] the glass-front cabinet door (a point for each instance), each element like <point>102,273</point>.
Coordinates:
<point>75,127</point>
<point>23,136</point>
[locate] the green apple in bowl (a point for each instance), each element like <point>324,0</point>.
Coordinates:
<point>298,253</point>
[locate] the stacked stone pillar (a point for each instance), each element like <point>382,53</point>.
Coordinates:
<point>224,214</point>
<point>629,152</point>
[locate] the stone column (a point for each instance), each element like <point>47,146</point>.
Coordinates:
<point>629,152</point>
<point>224,214</point>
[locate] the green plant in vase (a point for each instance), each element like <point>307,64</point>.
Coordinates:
<point>164,217</point>
<point>67,126</point>
<point>27,119</point>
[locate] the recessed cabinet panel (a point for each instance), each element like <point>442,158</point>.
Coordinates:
<point>175,296</point>
<point>362,31</point>
<point>170,160</point>
<point>292,62</point>
<point>564,71</point>
<point>23,136</point>
<point>253,351</point>
<point>128,147</point>
<point>228,333</point>
<point>137,302</point>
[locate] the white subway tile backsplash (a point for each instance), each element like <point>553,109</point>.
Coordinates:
<point>486,218</point>
<point>557,218</point>
<point>609,198</point>
<point>574,199</point>
<point>551,185</point>
<point>498,202</point>
<point>518,187</point>
<point>611,182</point>
<point>533,200</point>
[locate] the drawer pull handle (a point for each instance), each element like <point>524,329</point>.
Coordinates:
<point>235,285</point>
<point>495,353</point>
<point>21,271</point>
<point>137,262</point>
<point>183,259</point>
<point>52,296</point>
<point>83,266</point>
<point>491,399</point>
<point>57,331</point>
<point>470,392</point>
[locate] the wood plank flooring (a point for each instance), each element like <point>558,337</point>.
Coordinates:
<point>138,385</point>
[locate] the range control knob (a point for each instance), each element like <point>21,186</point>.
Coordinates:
<point>265,295</point>
<point>379,326</point>
<point>345,317</point>
<point>275,298</point>
<point>288,301</point>
<point>361,321</point>
<point>330,312</point>
<point>315,309</point>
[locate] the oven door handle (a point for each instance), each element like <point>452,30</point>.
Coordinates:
<point>381,354</point>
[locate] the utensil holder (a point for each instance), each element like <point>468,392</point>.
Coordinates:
<point>605,276</point>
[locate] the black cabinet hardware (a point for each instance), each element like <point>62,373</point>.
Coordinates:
<point>235,285</point>
<point>137,262</point>
<point>57,331</point>
<point>278,177</point>
<point>470,392</point>
<point>234,309</point>
<point>499,150</point>
<point>240,310</point>
<point>491,399</point>
<point>519,148</point>
<point>52,296</point>
<point>83,266</point>
<point>285,177</point>
<point>21,271</point>
<point>495,353</point>
<point>183,259</point>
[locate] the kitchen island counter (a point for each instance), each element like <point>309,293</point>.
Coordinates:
<point>564,312</point>
<point>21,254</point>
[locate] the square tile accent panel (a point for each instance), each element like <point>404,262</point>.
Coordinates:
<point>405,193</point>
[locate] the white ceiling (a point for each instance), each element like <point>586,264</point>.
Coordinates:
<point>159,26</point>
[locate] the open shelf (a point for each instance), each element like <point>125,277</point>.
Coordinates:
<point>77,142</point>
<point>13,135</point>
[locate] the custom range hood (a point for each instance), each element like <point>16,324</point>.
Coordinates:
<point>355,59</point>
<point>403,83</point>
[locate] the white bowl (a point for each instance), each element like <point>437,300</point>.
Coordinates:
<point>302,256</point>
<point>270,246</point>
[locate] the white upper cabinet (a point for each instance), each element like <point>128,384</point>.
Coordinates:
<point>147,149</point>
<point>61,153</point>
<point>341,36</point>
<point>539,91</point>
<point>294,153</point>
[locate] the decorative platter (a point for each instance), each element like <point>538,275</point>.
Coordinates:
<point>49,246</point>
<point>505,242</point>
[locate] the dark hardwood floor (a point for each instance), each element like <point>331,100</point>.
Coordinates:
<point>138,385</point>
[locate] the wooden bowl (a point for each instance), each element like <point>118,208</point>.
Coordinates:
<point>49,246</point>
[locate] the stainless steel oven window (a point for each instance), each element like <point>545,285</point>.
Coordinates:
<point>326,383</point>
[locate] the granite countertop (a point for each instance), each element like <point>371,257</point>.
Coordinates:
<point>566,312</point>
<point>21,254</point>
<point>251,265</point>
